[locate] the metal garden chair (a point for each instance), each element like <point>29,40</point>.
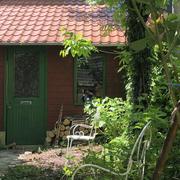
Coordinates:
<point>80,135</point>
<point>140,147</point>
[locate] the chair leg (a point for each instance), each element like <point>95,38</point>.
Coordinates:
<point>89,145</point>
<point>71,143</point>
<point>68,145</point>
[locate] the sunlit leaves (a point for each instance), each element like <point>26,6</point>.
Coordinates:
<point>76,45</point>
<point>164,29</point>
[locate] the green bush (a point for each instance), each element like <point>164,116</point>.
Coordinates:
<point>29,172</point>
<point>122,126</point>
<point>112,114</point>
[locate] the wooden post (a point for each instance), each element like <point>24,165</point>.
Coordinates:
<point>58,124</point>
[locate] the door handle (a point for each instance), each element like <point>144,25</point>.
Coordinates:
<point>26,102</point>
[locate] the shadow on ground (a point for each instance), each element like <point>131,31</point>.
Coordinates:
<point>9,158</point>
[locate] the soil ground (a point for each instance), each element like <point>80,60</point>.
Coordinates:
<point>50,158</point>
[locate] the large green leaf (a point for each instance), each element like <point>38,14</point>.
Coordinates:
<point>139,44</point>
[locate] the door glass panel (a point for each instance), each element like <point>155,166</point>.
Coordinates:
<point>26,74</point>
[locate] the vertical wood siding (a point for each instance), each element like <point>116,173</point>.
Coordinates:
<point>1,85</point>
<point>114,80</point>
<point>60,84</point>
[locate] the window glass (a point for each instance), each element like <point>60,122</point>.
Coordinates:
<point>26,74</point>
<point>89,81</point>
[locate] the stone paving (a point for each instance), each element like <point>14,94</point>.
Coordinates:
<point>9,158</point>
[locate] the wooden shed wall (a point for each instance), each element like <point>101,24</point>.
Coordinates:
<point>1,85</point>
<point>60,84</point>
<point>114,80</point>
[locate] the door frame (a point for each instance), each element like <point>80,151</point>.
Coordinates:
<point>43,55</point>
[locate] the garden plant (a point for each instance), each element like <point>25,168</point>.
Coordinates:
<point>152,91</point>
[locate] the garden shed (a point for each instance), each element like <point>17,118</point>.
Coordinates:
<point>35,80</point>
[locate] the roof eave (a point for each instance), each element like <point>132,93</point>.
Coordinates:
<point>55,44</point>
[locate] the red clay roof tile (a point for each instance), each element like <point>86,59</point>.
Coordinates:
<point>40,21</point>
<point>2,32</point>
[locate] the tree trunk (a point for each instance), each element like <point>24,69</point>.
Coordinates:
<point>167,143</point>
<point>141,66</point>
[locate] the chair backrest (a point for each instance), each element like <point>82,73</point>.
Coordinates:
<point>140,156</point>
<point>75,131</point>
<point>93,134</point>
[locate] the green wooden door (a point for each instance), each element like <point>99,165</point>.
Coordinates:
<point>25,95</point>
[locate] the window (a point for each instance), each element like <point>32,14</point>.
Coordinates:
<point>89,79</point>
<point>26,74</point>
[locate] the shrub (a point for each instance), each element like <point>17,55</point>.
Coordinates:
<point>122,126</point>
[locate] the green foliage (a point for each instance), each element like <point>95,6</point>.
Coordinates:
<point>117,118</point>
<point>172,170</point>
<point>168,30</point>
<point>76,45</point>
<point>122,126</point>
<point>28,172</point>
<point>159,91</point>
<point>125,57</point>
<point>139,44</point>
<point>67,171</point>
<point>112,112</point>
<point>144,32</point>
<point>118,7</point>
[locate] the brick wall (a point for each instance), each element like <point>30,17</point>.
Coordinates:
<point>1,85</point>
<point>60,84</point>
